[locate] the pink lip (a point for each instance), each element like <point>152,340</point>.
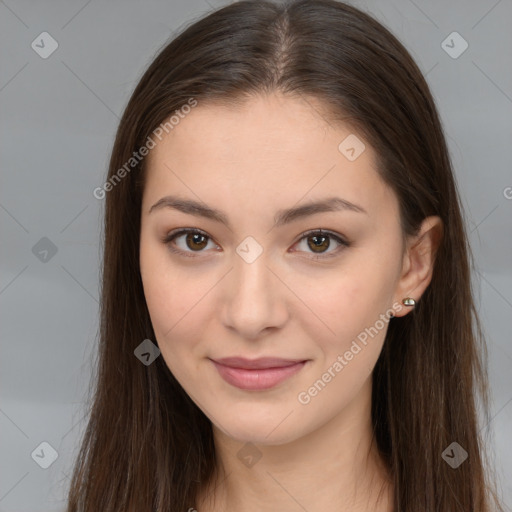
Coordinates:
<point>257,374</point>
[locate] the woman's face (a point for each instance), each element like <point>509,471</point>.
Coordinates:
<point>255,284</point>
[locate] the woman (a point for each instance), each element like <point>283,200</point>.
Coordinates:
<point>287,319</point>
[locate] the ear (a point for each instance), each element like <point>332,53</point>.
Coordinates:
<point>418,262</point>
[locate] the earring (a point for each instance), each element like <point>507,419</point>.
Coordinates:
<point>408,301</point>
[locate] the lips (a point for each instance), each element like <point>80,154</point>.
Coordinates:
<point>257,374</point>
<point>257,364</point>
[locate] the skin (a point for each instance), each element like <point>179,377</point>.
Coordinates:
<point>250,161</point>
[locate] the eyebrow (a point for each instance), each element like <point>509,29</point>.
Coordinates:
<point>191,207</point>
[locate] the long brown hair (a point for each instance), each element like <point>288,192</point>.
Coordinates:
<point>147,446</point>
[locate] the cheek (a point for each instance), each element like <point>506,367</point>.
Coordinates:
<point>351,307</point>
<point>176,306</point>
<point>170,305</point>
<point>171,312</point>
<point>169,294</point>
<point>345,309</point>
<point>339,299</point>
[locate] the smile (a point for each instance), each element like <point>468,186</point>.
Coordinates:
<point>258,378</point>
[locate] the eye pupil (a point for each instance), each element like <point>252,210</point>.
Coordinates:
<point>194,238</point>
<point>318,242</point>
<point>320,245</point>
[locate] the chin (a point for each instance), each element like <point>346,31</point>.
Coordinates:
<point>253,429</point>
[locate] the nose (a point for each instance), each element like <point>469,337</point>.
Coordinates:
<point>254,299</point>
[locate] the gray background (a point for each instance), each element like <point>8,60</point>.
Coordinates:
<point>59,116</point>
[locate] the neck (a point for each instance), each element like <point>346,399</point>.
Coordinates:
<point>336,466</point>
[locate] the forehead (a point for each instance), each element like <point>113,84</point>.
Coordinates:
<point>271,126</point>
<point>269,149</point>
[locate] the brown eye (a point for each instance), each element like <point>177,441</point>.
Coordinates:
<point>319,241</point>
<point>194,241</point>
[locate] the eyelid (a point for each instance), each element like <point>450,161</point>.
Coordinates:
<point>183,231</point>
<point>340,239</point>
<point>169,237</point>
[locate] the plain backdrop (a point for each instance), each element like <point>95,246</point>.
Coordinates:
<point>58,119</point>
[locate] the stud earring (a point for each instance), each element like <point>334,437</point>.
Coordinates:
<point>408,301</point>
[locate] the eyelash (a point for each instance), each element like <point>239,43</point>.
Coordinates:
<point>319,232</point>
